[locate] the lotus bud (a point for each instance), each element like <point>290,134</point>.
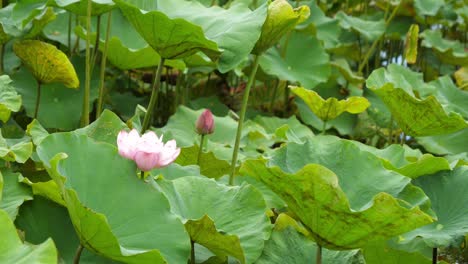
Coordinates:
<point>205,123</point>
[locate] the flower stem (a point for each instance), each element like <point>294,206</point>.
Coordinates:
<point>200,151</point>
<point>154,97</point>
<point>192,251</point>
<point>85,112</point>
<point>318,256</point>
<point>77,257</point>
<point>434,256</point>
<point>103,68</point>
<point>38,99</point>
<point>324,128</point>
<point>70,19</point>
<point>245,100</point>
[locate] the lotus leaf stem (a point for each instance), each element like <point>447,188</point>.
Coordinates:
<point>192,251</point>
<point>154,97</point>
<point>85,112</point>
<point>77,257</point>
<point>38,99</point>
<point>103,68</point>
<point>318,256</point>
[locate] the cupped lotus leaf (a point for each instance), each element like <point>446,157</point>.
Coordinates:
<point>419,117</point>
<point>290,129</point>
<point>332,107</point>
<point>194,197</point>
<point>40,219</point>
<point>12,249</point>
<point>235,30</point>
<point>461,77</point>
<point>14,193</point>
<point>371,30</point>
<point>10,100</point>
<point>170,38</point>
<point>428,7</point>
<point>78,7</point>
<point>289,246</point>
<point>47,63</point>
<point>452,144</point>
<point>48,189</point>
<point>309,66</point>
<point>118,224</point>
<point>314,195</point>
<point>36,132</point>
<point>380,252</point>
<point>210,165</point>
<point>105,128</point>
<point>203,231</point>
<point>343,66</point>
<point>18,150</point>
<point>59,107</point>
<point>447,191</point>
<point>400,77</point>
<point>38,24</point>
<point>449,51</point>
<point>281,19</point>
<point>411,44</point>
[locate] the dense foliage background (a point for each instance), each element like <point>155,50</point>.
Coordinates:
<point>340,131</point>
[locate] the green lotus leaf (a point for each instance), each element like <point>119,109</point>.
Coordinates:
<point>451,98</point>
<point>131,222</point>
<point>57,30</point>
<point>175,38</point>
<point>327,29</point>
<point>59,107</point>
<point>369,206</point>
<point>454,143</point>
<point>309,66</point>
<point>343,66</point>
<point>235,30</point>
<point>411,44</point>
<point>289,129</point>
<point>1,187</point>
<point>10,101</point>
<point>18,150</point>
<point>400,77</point>
<point>47,63</point>
<point>36,132</point>
<point>40,219</point>
<point>448,51</point>
<point>272,199</point>
<point>380,252</point>
<point>371,30</point>
<point>289,246</point>
<point>105,128</point>
<point>194,197</point>
<point>446,189</point>
<point>174,171</point>
<point>14,193</point>
<point>98,7</point>
<point>12,249</point>
<point>281,19</point>
<point>461,77</point>
<point>210,166</point>
<point>332,107</point>
<point>419,117</point>
<point>48,189</point>
<point>428,7</point>
<point>40,22</point>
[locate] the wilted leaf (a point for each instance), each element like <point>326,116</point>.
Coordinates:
<point>332,107</point>
<point>461,76</point>
<point>411,44</point>
<point>46,62</point>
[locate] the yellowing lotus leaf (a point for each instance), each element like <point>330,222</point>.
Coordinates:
<point>331,108</point>
<point>47,63</point>
<point>411,44</point>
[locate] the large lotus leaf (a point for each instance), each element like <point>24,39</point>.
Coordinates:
<point>14,194</point>
<point>454,143</point>
<point>289,246</point>
<point>327,29</point>
<point>449,51</point>
<point>419,117</point>
<point>381,253</point>
<point>272,199</point>
<point>400,77</point>
<point>194,197</point>
<point>315,197</point>
<point>371,30</point>
<point>461,77</point>
<point>18,150</point>
<point>12,249</point>
<point>171,38</point>
<point>210,166</point>
<point>411,44</point>
<point>47,63</point>
<point>57,30</point>
<point>40,219</point>
<point>80,8</point>
<point>105,128</point>
<point>452,98</point>
<point>447,191</point>
<point>308,66</point>
<point>281,19</point>
<point>332,107</point>
<point>174,171</point>
<point>428,7</point>
<point>130,222</point>
<point>406,161</point>
<point>10,101</point>
<point>235,30</point>
<point>59,107</point>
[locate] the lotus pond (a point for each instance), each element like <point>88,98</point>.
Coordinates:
<point>233,131</point>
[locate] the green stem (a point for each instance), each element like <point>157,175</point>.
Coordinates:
<point>85,112</point>
<point>154,96</point>
<point>77,257</point>
<point>434,256</point>
<point>324,128</point>
<point>273,97</point>
<point>103,68</point>
<point>200,151</point>
<point>192,252</point>
<point>318,256</point>
<point>245,100</point>
<point>2,52</point>
<point>96,42</point>
<point>76,47</point>
<point>38,99</point>
<point>390,133</point>
<point>70,19</point>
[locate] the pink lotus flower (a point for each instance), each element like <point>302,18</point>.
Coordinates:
<point>205,123</point>
<point>148,151</point>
